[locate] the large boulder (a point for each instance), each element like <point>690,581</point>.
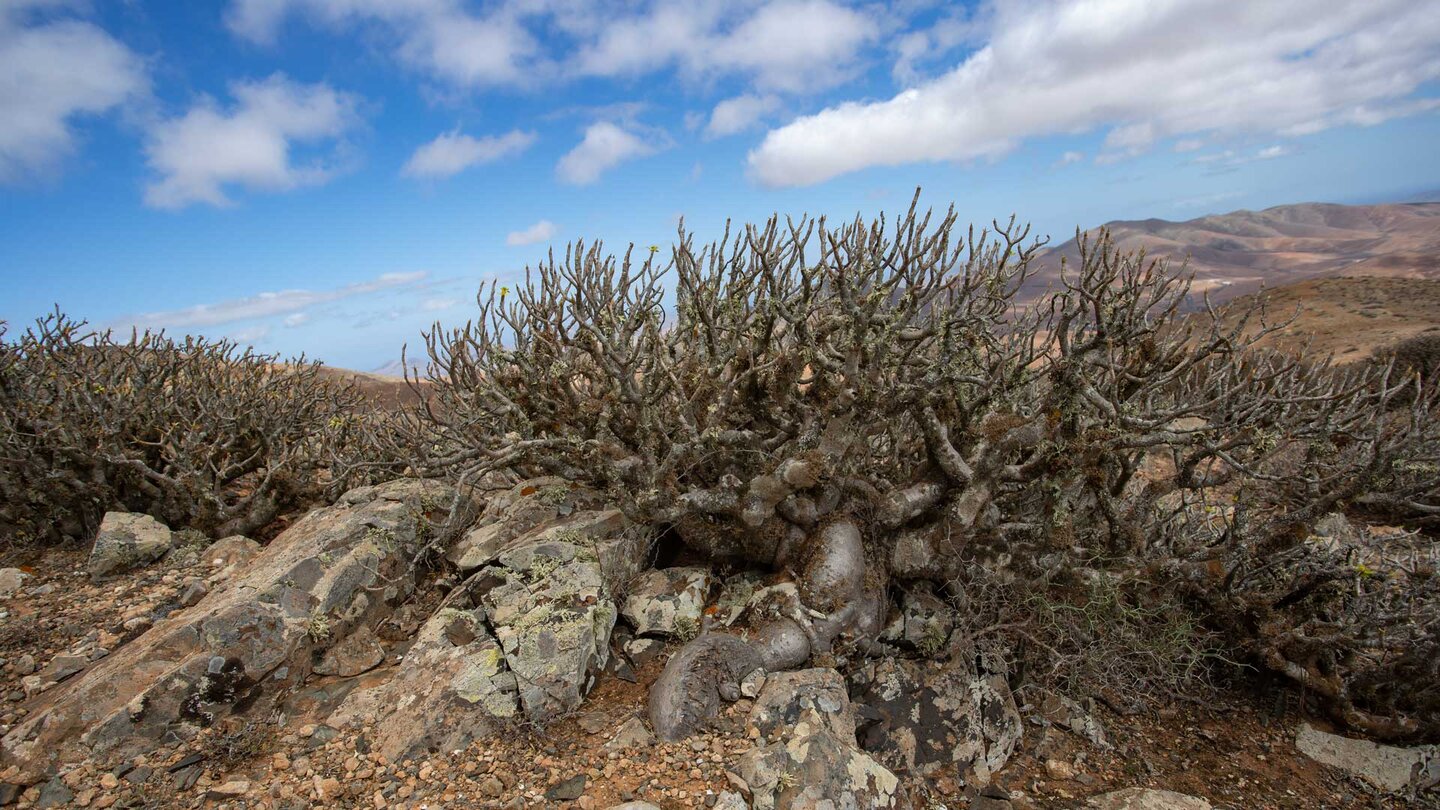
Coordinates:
<point>127,540</point>
<point>787,697</point>
<point>253,637</point>
<point>937,717</point>
<point>667,601</point>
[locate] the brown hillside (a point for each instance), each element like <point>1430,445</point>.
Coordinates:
<point>1236,254</point>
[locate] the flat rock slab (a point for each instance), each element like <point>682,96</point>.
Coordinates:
<point>250,639</point>
<point>1147,799</point>
<point>1387,767</point>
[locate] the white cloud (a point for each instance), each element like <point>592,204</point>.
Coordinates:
<point>605,146</point>
<point>298,319</point>
<point>1230,157</point>
<point>438,304</point>
<point>269,304</point>
<point>739,114</point>
<point>453,152</point>
<point>249,145</point>
<point>250,334</point>
<point>788,45</point>
<point>1069,158</point>
<point>51,74</point>
<point>542,231</point>
<point>1145,70</point>
<point>438,37</point>
<point>1189,145</point>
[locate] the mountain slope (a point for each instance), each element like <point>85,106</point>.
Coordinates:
<point>1235,254</point>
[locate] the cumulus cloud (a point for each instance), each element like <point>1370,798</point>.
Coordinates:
<point>738,114</point>
<point>453,152</point>
<point>53,74</point>
<point>440,38</point>
<point>248,145</point>
<point>1143,70</point>
<point>782,44</point>
<point>790,45</point>
<point>605,146</point>
<point>542,231</point>
<point>269,304</point>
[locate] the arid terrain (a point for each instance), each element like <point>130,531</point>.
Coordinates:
<point>1237,253</point>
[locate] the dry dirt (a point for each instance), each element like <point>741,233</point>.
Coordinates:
<point>1236,750</point>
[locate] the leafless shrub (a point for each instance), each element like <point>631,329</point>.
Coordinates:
<point>810,384</point>
<point>199,434</point>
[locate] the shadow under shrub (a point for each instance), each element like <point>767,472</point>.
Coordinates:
<point>198,434</point>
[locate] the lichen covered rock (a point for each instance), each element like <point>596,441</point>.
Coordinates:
<point>667,601</point>
<point>126,540</point>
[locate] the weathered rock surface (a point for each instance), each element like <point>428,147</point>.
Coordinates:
<point>10,581</point>
<point>924,621</point>
<point>358,652</point>
<point>452,687</point>
<point>1147,799</point>
<point>552,615</point>
<point>941,716</point>
<point>667,601</point>
<point>543,509</point>
<point>1387,767</point>
<point>788,697</point>
<point>235,550</point>
<point>126,540</point>
<point>256,634</point>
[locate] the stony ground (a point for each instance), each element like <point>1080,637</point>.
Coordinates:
<point>1237,751</point>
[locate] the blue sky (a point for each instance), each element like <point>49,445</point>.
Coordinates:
<point>332,176</point>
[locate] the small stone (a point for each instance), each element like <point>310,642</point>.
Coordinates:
<point>232,789</point>
<point>25,665</point>
<point>1059,769</point>
<point>109,781</point>
<point>10,581</point>
<point>568,790</point>
<point>491,788</point>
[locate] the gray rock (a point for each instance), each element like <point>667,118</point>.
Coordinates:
<point>10,581</point>
<point>631,734</point>
<point>703,673</point>
<point>551,613</point>
<point>126,540</point>
<point>54,794</point>
<point>63,666</point>
<point>1147,799</point>
<point>643,650</point>
<point>253,637</point>
<point>936,716</point>
<point>568,790</point>
<point>924,622</point>
<point>451,688</point>
<point>791,699</point>
<point>634,806</point>
<point>730,800</point>
<point>356,653</point>
<point>1066,713</point>
<point>1387,767</point>
<point>667,602</point>
<point>194,591</point>
<point>230,551</point>
<point>816,771</point>
<point>25,665</point>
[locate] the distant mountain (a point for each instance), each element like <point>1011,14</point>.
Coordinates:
<point>1235,254</point>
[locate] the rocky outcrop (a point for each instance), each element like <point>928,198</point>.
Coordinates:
<point>450,689</point>
<point>126,540</point>
<point>937,717</point>
<point>787,697</point>
<point>526,633</point>
<point>667,601</point>
<point>252,637</point>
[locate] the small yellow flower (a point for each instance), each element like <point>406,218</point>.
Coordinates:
<point>654,248</point>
